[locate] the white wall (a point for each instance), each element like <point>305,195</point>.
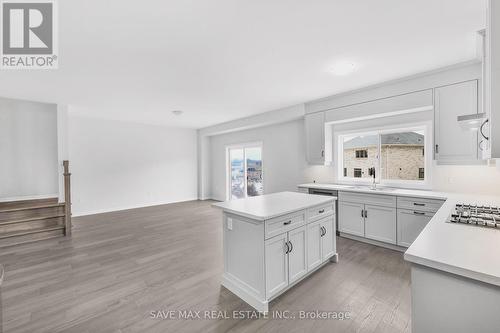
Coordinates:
<point>283,158</point>
<point>119,165</point>
<point>28,146</point>
<point>468,179</point>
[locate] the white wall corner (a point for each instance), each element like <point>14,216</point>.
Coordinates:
<point>203,166</point>
<point>62,145</point>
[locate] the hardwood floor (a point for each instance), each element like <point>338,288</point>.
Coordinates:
<point>119,267</point>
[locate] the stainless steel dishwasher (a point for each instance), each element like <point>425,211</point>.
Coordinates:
<point>331,193</point>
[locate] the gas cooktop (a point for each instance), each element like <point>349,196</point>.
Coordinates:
<point>485,216</point>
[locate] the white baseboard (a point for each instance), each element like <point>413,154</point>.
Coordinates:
<point>117,209</point>
<point>30,197</point>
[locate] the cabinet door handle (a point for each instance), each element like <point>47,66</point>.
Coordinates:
<point>322,153</point>
<point>324,231</point>
<point>291,247</point>
<point>366,213</point>
<point>287,248</point>
<point>418,204</point>
<point>418,213</point>
<point>362,213</point>
<point>321,211</point>
<point>437,149</point>
<point>287,222</point>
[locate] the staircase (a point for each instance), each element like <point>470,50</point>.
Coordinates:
<point>33,220</point>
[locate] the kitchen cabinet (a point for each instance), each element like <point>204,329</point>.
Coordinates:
<point>320,242</point>
<point>297,255</point>
<point>369,221</point>
<point>276,264</point>
<point>351,218</point>
<point>380,223</point>
<point>314,258</point>
<point>389,219</point>
<point>275,241</point>
<point>410,225</point>
<point>454,145</point>
<point>327,239</point>
<point>315,138</point>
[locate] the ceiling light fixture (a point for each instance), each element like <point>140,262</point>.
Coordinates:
<point>177,112</point>
<point>342,68</point>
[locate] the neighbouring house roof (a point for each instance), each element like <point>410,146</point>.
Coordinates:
<point>408,138</point>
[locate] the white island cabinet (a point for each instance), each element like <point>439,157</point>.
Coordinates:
<point>273,241</point>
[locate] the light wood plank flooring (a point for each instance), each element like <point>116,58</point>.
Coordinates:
<point>118,267</point>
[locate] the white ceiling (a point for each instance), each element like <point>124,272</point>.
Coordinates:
<point>221,60</point>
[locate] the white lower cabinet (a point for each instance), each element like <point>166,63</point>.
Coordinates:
<point>410,225</point>
<point>314,258</point>
<point>380,223</point>
<point>297,255</point>
<point>291,255</point>
<point>351,218</point>
<point>327,239</point>
<point>276,264</point>
<point>320,242</point>
<point>385,218</point>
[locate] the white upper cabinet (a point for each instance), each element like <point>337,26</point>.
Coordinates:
<point>315,138</point>
<point>453,144</point>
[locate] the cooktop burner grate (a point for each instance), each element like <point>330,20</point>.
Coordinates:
<point>485,216</point>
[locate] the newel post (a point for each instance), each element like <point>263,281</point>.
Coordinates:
<point>67,198</point>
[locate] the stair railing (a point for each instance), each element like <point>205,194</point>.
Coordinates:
<point>67,199</point>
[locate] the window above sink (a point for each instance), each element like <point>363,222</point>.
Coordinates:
<point>401,156</point>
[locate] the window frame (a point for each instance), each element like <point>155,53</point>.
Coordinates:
<point>228,166</point>
<point>426,183</point>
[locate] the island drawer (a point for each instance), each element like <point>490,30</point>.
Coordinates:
<point>319,212</point>
<point>281,224</point>
<point>420,204</point>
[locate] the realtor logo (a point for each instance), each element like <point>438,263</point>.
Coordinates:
<point>28,34</point>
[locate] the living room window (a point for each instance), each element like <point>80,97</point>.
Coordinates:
<point>398,155</point>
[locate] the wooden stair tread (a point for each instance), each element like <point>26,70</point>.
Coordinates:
<point>29,232</point>
<point>27,203</point>
<point>31,207</point>
<point>37,218</point>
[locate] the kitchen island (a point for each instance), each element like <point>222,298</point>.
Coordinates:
<point>273,241</point>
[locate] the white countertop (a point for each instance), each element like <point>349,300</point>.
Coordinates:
<point>382,190</point>
<point>267,206</point>
<point>465,250</point>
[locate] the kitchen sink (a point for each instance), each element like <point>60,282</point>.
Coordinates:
<point>367,188</point>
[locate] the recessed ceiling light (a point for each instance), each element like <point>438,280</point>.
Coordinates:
<point>343,68</point>
<point>177,112</point>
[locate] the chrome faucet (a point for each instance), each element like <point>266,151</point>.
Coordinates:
<point>371,172</point>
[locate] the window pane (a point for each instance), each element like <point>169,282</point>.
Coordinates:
<point>254,171</point>
<point>237,173</point>
<point>403,156</point>
<point>360,154</point>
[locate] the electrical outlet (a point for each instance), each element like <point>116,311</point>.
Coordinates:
<point>229,223</point>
